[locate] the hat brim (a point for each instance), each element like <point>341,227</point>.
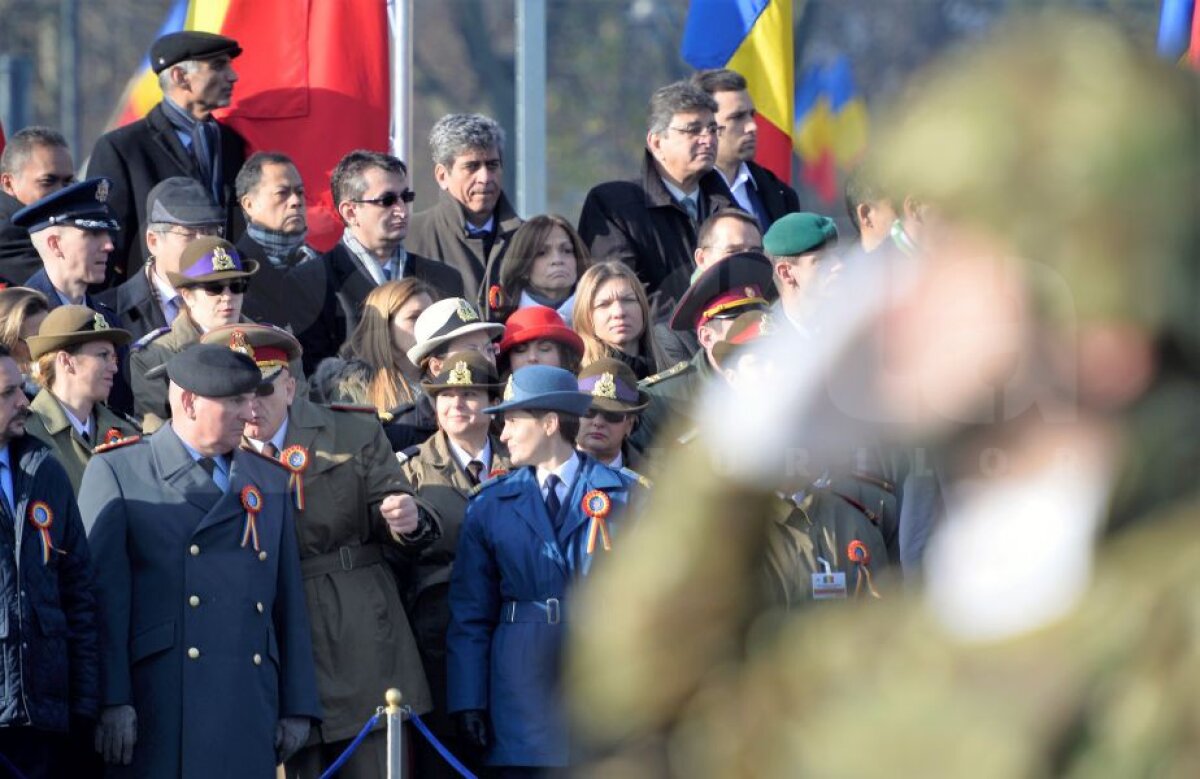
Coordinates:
<point>426,348</point>
<point>573,403</point>
<point>179,280</point>
<point>739,270</point>
<point>557,333</point>
<point>620,407</point>
<point>432,389</point>
<point>44,344</point>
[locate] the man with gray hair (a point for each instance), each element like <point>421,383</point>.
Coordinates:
<point>650,225</point>
<point>372,196</point>
<point>473,223</point>
<point>179,137</point>
<point>35,162</point>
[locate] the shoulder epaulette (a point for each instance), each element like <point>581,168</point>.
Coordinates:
<point>108,446</point>
<point>352,408</point>
<point>142,342</point>
<point>640,479</point>
<point>674,370</point>
<point>248,449</point>
<point>405,455</point>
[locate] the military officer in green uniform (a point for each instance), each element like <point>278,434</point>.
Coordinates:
<point>350,501</point>
<point>212,283</point>
<point>75,353</point>
<point>739,283</point>
<point>444,471</point>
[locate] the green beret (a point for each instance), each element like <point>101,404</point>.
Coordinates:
<point>799,233</point>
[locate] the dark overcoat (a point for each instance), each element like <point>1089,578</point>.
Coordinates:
<point>205,637</point>
<point>49,647</point>
<point>143,153</point>
<point>505,632</point>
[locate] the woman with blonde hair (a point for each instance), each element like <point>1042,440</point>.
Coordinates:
<point>612,316</point>
<point>383,336</point>
<point>21,313</point>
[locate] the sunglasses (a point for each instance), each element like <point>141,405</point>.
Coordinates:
<point>389,199</point>
<point>236,286</point>
<point>611,417</point>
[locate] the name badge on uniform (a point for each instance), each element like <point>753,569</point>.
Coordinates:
<point>828,584</point>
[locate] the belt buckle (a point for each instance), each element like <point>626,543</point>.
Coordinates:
<point>553,611</point>
<point>347,558</point>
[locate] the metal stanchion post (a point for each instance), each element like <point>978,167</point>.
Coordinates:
<point>395,734</point>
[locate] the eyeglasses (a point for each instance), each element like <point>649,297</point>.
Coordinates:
<point>697,130</point>
<point>389,199</point>
<point>236,286</point>
<point>192,233</point>
<point>611,417</point>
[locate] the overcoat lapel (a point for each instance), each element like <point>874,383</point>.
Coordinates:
<point>168,141</point>
<point>591,476</point>
<point>522,493</point>
<point>181,472</point>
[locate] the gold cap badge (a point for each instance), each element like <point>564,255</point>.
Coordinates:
<point>606,387</point>
<point>766,326</point>
<point>99,322</point>
<point>466,313</point>
<point>508,389</point>
<point>460,374</point>
<point>102,191</point>
<point>238,343</point>
<point>221,259</point>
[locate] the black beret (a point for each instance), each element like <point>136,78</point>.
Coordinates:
<point>179,47</point>
<point>214,371</point>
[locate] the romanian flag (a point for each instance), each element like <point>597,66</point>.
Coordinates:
<point>753,37</point>
<point>313,82</point>
<point>1179,32</point>
<point>831,125</point>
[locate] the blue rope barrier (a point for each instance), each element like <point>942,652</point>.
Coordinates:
<point>16,774</point>
<point>348,751</point>
<point>441,749</point>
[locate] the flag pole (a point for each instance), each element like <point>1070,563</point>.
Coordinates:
<point>531,107</point>
<point>402,68</point>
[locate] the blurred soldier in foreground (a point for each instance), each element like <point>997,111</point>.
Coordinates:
<point>1062,392</point>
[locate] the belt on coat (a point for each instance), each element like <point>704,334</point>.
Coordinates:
<point>547,611</point>
<point>346,558</point>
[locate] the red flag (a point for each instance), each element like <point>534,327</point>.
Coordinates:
<point>1,138</point>
<point>313,85</point>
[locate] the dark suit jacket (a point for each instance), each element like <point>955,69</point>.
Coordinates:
<point>640,224</point>
<point>18,259</point>
<point>778,199</point>
<point>121,396</point>
<point>351,283</point>
<point>294,298</point>
<point>135,305</point>
<point>441,233</point>
<point>138,156</point>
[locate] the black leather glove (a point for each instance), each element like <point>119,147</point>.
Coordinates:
<point>472,727</point>
<point>290,735</point>
<point>116,734</point>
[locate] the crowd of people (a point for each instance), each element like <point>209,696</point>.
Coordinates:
<point>248,486</point>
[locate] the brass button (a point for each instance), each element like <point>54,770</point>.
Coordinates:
<point>257,659</point>
<point>262,555</point>
<point>195,550</point>
<point>194,601</point>
<point>259,606</point>
<point>193,652</point>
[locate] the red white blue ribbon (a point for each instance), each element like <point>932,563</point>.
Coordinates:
<point>41,516</point>
<point>597,506</point>
<point>295,458</point>
<point>252,501</point>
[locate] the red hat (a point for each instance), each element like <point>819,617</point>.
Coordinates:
<point>535,322</point>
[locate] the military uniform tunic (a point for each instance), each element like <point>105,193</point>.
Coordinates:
<point>51,425</point>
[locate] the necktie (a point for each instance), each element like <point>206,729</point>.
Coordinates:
<point>693,209</point>
<point>87,439</point>
<point>552,502</point>
<point>270,450</point>
<point>760,211</point>
<point>215,468</point>
<point>389,270</point>
<point>173,306</point>
<point>474,469</point>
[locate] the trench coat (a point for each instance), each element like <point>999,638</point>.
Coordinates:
<point>205,637</point>
<point>509,605</point>
<point>361,637</point>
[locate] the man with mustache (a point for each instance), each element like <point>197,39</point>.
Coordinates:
<point>473,223</point>
<point>373,198</point>
<point>650,225</point>
<point>72,230</point>
<point>49,647</point>
<point>179,137</point>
